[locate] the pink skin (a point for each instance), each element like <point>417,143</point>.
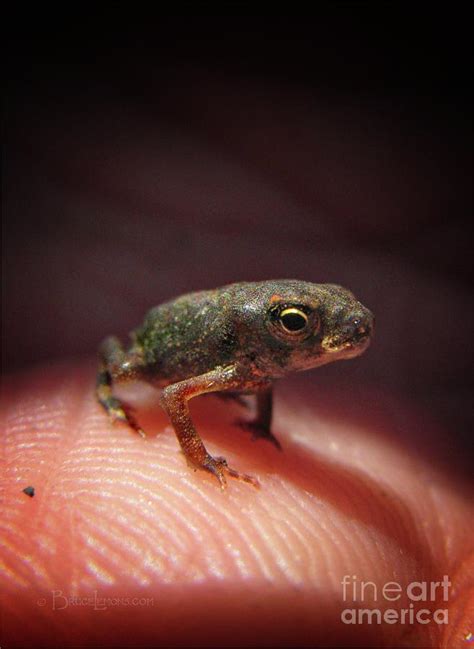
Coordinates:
<point>368,483</point>
<point>126,517</point>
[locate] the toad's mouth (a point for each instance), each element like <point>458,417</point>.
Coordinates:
<point>356,343</point>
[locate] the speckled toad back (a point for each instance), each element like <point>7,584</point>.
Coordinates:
<point>238,338</point>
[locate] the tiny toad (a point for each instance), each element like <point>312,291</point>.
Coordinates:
<point>237,339</point>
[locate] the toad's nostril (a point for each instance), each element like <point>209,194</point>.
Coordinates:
<point>362,327</point>
<point>359,326</point>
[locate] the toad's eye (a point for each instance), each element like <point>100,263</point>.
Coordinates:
<point>293,320</point>
<point>292,323</point>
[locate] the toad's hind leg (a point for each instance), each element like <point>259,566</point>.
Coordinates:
<point>116,366</point>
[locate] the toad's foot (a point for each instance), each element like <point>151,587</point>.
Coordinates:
<point>259,431</point>
<point>218,466</point>
<point>119,411</point>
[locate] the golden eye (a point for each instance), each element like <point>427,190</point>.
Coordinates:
<point>293,320</point>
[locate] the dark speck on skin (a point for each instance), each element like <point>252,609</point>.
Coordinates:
<point>29,491</point>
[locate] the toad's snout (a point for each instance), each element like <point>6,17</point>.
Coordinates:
<point>352,335</point>
<point>359,327</point>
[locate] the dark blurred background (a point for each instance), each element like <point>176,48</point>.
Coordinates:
<point>149,155</point>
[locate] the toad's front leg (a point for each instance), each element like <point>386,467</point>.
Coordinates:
<point>116,366</point>
<point>175,399</point>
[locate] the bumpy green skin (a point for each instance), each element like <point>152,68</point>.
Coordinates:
<point>194,333</point>
<point>232,339</point>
